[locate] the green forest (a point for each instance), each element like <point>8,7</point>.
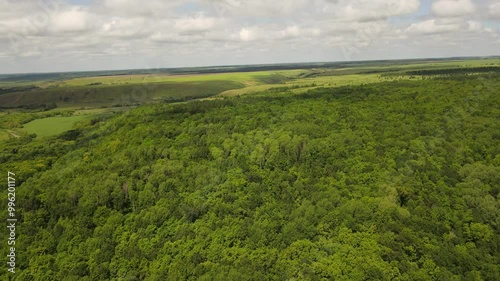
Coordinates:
<point>394,180</point>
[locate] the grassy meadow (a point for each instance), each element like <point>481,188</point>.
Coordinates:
<point>53,125</point>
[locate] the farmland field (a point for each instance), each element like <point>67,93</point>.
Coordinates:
<point>133,89</point>
<point>52,125</point>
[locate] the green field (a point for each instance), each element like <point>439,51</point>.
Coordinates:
<point>53,125</point>
<point>241,77</point>
<point>4,135</point>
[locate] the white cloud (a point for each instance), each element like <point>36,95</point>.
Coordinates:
<point>475,26</point>
<point>170,37</point>
<point>453,8</point>
<point>366,10</point>
<point>196,24</point>
<point>248,34</point>
<point>432,26</point>
<point>124,27</point>
<point>182,32</point>
<point>74,20</point>
<point>290,32</point>
<point>16,9</point>
<point>257,7</point>
<point>139,7</point>
<point>276,34</point>
<point>494,10</point>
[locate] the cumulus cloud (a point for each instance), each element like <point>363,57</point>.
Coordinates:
<point>172,37</point>
<point>475,26</point>
<point>247,34</point>
<point>98,34</point>
<point>195,24</point>
<point>74,20</point>
<point>276,33</point>
<point>256,7</point>
<point>365,10</point>
<point>453,8</point>
<point>494,10</point>
<point>432,26</point>
<point>136,8</point>
<point>124,27</point>
<point>17,9</point>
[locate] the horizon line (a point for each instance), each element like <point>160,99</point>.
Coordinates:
<point>247,65</point>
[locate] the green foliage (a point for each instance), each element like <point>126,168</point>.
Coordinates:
<point>390,181</point>
<point>453,71</point>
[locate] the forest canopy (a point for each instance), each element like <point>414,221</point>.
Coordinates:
<point>388,181</point>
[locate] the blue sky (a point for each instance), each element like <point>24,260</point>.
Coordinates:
<point>72,35</point>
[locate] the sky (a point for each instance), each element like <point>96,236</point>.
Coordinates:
<point>83,35</point>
